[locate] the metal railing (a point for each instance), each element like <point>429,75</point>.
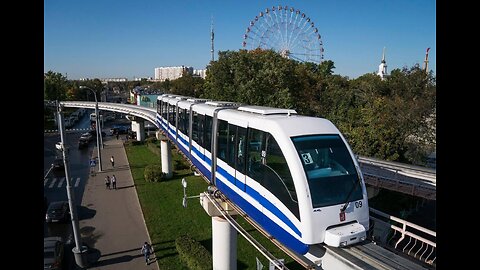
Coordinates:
<point>413,240</point>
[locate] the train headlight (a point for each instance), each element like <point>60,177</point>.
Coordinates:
<point>343,244</point>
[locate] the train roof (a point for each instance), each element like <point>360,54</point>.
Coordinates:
<point>289,124</point>
<point>266,110</point>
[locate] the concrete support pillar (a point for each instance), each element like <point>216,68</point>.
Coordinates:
<point>224,244</point>
<point>140,130</point>
<point>166,156</point>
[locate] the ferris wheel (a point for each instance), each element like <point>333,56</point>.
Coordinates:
<point>286,30</point>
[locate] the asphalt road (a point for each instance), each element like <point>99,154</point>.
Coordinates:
<point>55,184</point>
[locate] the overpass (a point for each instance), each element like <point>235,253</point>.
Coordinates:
<point>396,176</point>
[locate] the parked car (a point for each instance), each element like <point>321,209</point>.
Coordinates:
<point>53,247</point>
<point>87,136</point>
<point>58,212</point>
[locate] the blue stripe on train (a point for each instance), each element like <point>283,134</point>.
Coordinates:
<point>255,195</point>
<point>270,226</point>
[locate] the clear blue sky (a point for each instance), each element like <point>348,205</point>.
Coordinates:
<point>117,38</point>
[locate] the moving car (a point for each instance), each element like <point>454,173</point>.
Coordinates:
<point>58,212</point>
<point>87,136</point>
<point>52,252</point>
<point>82,143</point>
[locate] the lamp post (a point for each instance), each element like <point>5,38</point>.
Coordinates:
<point>80,252</point>
<point>97,126</point>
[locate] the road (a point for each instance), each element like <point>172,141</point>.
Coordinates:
<point>55,184</point>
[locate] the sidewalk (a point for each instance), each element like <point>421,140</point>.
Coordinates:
<point>114,228</point>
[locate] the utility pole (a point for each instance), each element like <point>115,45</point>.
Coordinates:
<point>79,251</point>
<point>97,128</point>
<point>211,40</point>
<point>425,65</point>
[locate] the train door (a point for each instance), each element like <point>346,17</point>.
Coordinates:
<point>237,152</point>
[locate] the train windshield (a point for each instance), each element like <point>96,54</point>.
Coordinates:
<point>330,170</point>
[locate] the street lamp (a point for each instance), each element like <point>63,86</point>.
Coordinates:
<point>80,252</point>
<point>97,126</point>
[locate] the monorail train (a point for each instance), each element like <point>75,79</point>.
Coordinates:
<point>294,175</point>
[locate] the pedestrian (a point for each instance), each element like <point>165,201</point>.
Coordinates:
<point>117,134</point>
<point>114,182</point>
<point>107,182</point>
<point>146,251</point>
<point>112,161</point>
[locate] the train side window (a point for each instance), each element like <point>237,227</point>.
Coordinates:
<point>195,126</point>
<point>159,106</point>
<point>241,149</point>
<point>181,120</point>
<point>171,114</point>
<point>255,146</point>
<point>232,141</point>
<point>164,110</point>
<point>277,177</point>
<point>187,122</point>
<point>208,132</point>
<point>222,140</point>
<point>201,130</point>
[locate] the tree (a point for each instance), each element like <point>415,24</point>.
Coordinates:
<point>187,85</point>
<point>54,86</point>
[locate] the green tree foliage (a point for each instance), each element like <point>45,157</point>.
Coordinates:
<point>256,77</point>
<point>187,85</point>
<point>54,86</point>
<point>392,119</point>
<point>394,115</point>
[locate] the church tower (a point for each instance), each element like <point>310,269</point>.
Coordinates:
<point>382,68</point>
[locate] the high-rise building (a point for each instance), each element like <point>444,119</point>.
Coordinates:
<point>171,73</point>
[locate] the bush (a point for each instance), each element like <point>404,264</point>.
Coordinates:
<point>153,173</point>
<point>180,165</point>
<point>193,253</point>
<point>131,142</point>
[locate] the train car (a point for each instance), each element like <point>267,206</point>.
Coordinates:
<point>294,175</point>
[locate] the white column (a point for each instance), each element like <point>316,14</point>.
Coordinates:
<point>224,245</point>
<point>166,156</point>
<point>140,130</point>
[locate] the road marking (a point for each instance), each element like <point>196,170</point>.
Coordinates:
<point>77,182</point>
<point>53,183</point>
<point>61,182</point>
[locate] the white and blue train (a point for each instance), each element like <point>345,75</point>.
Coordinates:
<point>294,175</point>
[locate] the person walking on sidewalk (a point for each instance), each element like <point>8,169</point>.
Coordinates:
<point>112,161</point>
<point>107,182</point>
<point>146,251</point>
<point>114,182</point>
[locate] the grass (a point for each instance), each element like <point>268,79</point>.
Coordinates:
<point>166,219</point>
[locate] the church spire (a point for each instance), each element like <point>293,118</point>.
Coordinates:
<point>382,68</point>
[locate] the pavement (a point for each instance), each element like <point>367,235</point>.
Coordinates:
<point>113,227</point>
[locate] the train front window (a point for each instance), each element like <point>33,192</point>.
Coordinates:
<point>330,170</point>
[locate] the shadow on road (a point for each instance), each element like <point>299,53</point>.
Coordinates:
<point>85,213</point>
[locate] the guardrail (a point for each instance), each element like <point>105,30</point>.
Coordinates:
<point>400,235</point>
